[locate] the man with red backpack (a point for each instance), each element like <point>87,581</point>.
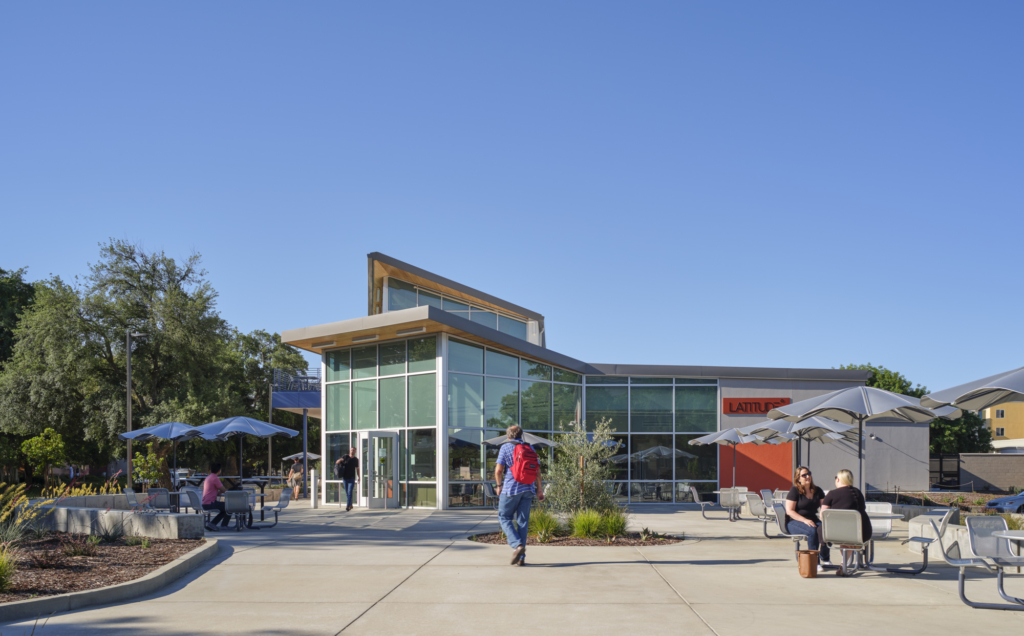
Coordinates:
<point>516,490</point>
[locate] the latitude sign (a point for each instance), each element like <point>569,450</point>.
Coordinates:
<point>752,406</point>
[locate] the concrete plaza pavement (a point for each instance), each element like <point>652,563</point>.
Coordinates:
<point>413,572</point>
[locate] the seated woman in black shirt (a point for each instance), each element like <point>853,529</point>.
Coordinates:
<point>802,505</point>
<point>846,497</point>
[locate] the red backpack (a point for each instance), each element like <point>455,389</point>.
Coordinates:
<point>525,464</point>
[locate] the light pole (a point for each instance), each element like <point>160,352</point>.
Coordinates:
<point>128,347</point>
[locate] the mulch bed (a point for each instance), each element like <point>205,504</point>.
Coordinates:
<point>111,564</point>
<point>629,539</point>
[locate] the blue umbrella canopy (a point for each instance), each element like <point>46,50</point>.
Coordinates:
<point>174,431</point>
<point>239,425</point>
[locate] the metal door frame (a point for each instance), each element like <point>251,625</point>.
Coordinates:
<point>382,502</point>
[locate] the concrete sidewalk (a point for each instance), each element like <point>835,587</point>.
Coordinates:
<point>412,572</point>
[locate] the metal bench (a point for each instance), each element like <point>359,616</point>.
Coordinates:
<point>953,557</point>
<point>842,530</point>
<point>780,520</point>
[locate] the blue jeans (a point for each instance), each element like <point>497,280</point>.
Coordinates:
<point>514,517</point>
<point>812,534</point>
<point>349,484</point>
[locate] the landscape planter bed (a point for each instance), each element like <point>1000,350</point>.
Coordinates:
<point>630,539</point>
<point>112,563</point>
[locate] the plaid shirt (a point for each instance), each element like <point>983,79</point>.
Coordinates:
<point>509,485</point>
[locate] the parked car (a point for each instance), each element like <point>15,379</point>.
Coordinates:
<point>1013,503</point>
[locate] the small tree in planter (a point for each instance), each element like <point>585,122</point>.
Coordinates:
<point>147,467</point>
<point>44,452</point>
<point>576,480</point>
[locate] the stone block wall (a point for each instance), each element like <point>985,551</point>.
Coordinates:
<point>991,471</point>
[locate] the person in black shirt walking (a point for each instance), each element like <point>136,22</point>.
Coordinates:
<point>347,468</point>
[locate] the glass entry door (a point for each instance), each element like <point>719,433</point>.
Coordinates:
<point>381,461</point>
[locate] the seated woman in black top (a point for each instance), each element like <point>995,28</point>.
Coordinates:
<point>846,497</point>
<point>802,504</point>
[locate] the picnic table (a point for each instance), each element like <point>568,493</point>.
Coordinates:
<point>260,481</point>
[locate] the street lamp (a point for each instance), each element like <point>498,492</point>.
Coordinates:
<point>128,389</point>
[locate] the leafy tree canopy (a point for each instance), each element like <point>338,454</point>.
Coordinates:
<point>15,295</point>
<point>889,380</point>
<point>68,368</point>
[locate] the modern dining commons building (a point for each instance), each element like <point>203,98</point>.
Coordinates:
<point>436,367</point>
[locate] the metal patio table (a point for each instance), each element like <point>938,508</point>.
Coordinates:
<point>1013,535</point>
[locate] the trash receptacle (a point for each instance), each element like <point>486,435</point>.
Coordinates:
<point>808,562</point>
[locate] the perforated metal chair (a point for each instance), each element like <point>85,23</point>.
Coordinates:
<point>994,549</point>
<point>195,502</point>
<point>880,528</point>
<point>184,501</point>
<point>161,498</point>
<point>490,495</point>
<point>135,503</point>
<point>703,504</point>
<point>731,500</point>
<point>780,521</point>
<point>842,530</point>
<point>282,503</point>
<point>236,504</point>
<point>953,556</point>
<point>925,543</point>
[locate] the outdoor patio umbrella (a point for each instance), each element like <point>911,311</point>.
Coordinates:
<point>237,427</point>
<point>529,438</point>
<point>981,394</point>
<point>728,437</point>
<point>300,456</point>
<point>173,431</point>
<point>813,429</point>
<point>662,452</point>
<point>857,405</point>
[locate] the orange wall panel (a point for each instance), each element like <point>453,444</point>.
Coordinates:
<point>757,467</point>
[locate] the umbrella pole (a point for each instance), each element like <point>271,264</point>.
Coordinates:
<point>174,477</point>
<point>860,452</point>
<point>239,461</point>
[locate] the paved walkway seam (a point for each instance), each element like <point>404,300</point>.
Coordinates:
<point>673,588</point>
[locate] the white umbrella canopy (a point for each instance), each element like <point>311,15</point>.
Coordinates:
<point>814,429</point>
<point>857,405</point>
<point>981,394</point>
<point>529,438</point>
<point>728,437</point>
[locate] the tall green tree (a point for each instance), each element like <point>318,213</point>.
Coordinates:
<point>68,367</point>
<point>889,380</point>
<point>15,295</point>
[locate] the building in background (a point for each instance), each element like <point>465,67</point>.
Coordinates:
<point>1006,422</point>
<point>438,367</point>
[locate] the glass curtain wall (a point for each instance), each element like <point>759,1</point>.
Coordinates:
<point>403,295</point>
<point>393,386</point>
<point>488,391</point>
<point>654,419</point>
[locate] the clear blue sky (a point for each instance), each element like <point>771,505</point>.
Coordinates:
<point>757,184</point>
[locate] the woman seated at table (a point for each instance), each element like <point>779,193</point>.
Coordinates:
<point>802,505</point>
<point>847,497</point>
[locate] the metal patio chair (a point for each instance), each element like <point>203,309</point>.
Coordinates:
<point>236,504</point>
<point>282,503</point>
<point>997,550</point>
<point>953,557</point>
<point>731,499</point>
<point>759,511</point>
<point>780,520</point>
<point>880,528</point>
<point>161,498</point>
<point>184,501</point>
<point>490,496</point>
<point>843,530</point>
<point>768,502</point>
<point>925,543</point>
<point>135,503</point>
<point>703,504</point>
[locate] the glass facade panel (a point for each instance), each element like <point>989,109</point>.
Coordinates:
<point>451,305</point>
<point>401,295</point>
<point>392,403</point>
<point>501,403</point>
<point>403,457</point>
<point>465,454</point>
<point>501,364</point>
<point>651,457</point>
<point>423,354</point>
<point>536,405</point>
<point>650,492</point>
<point>364,403</point>
<point>423,495</point>
<point>568,404</point>
<point>491,455</point>
<point>695,381</point>
<point>364,362</point>
<point>619,490</point>
<point>334,493</point>
<point>512,327</point>
<point>465,495</point>
<point>606,379</point>
<point>706,491</point>
<point>392,358</point>
<point>465,358</point>
<point>568,376</point>
<point>337,407</point>
<point>337,447</point>
<point>429,299</point>
<point>465,400</point>
<point>650,380</point>
<point>696,409</point>
<point>651,409</point>
<point>695,462</point>
<point>423,400</point>
<point>608,403</point>
<point>619,462</point>
<point>337,365</point>
<point>484,318</point>
<point>422,455</point>
<point>534,370</point>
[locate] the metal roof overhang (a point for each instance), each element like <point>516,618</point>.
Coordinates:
<point>746,373</point>
<point>388,326</point>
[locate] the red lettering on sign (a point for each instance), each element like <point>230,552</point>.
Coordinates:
<point>752,406</point>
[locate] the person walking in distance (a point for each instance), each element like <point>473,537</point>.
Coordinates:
<point>295,478</point>
<point>347,469</point>
<point>516,490</point>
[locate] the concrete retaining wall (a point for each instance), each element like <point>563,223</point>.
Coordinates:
<point>161,525</point>
<point>991,471</point>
